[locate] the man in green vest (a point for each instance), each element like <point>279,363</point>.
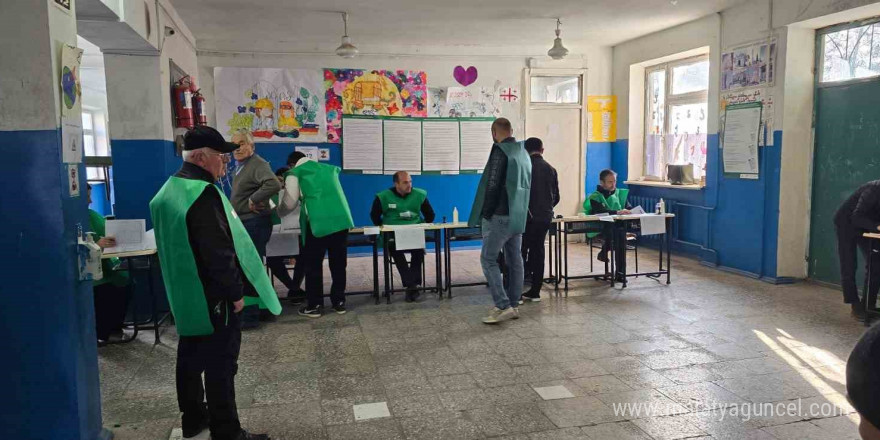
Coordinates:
<point>608,199</point>
<point>324,221</point>
<point>111,291</point>
<point>209,264</point>
<point>404,205</point>
<point>501,208</point>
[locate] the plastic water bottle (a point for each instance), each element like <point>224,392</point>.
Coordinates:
<point>662,207</point>
<point>454,215</point>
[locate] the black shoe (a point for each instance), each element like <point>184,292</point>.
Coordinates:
<point>296,296</point>
<point>531,297</point>
<point>267,316</point>
<point>620,279</point>
<point>250,317</point>
<point>192,431</point>
<point>339,309</point>
<point>603,256</point>
<point>858,311</point>
<point>412,294</point>
<point>314,312</point>
<point>248,436</point>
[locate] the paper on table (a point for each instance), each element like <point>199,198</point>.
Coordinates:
<point>606,218</point>
<point>409,238</point>
<point>638,210</point>
<point>150,239</point>
<point>653,224</point>
<point>362,144</point>
<point>371,230</point>
<point>403,145</point>
<point>440,151</point>
<point>129,235</point>
<point>476,144</point>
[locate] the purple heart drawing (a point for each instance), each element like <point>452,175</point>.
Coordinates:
<point>465,77</point>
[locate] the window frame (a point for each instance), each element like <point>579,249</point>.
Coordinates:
<point>101,163</point>
<point>545,104</point>
<point>670,100</point>
<point>820,52</point>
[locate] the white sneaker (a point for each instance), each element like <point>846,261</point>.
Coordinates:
<point>497,315</point>
<point>515,313</point>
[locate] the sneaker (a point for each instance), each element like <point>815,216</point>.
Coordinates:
<point>530,297</point>
<point>412,295</point>
<point>314,312</point>
<point>497,315</point>
<point>340,309</point>
<point>515,313</point>
<point>296,296</point>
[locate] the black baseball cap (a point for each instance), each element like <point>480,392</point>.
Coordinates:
<point>203,136</point>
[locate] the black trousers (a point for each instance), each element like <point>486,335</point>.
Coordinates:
<point>111,302</point>
<point>848,240</point>
<point>216,356</point>
<point>619,235</point>
<point>260,231</point>
<point>533,253</point>
<point>276,265</point>
<point>410,273</point>
<point>335,246</point>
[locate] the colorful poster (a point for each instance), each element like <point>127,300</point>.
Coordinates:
<point>275,105</point>
<point>71,90</point>
<point>753,95</point>
<point>602,118</point>
<point>372,93</point>
<point>473,102</point>
<point>749,66</point>
<point>437,102</point>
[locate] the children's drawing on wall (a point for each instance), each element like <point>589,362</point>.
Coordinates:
<point>767,112</point>
<point>275,105</point>
<point>375,93</point>
<point>437,102</point>
<point>749,66</point>
<point>71,90</point>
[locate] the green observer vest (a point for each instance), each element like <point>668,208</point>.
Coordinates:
<point>326,208</point>
<point>186,295</point>
<point>518,183</point>
<point>614,202</point>
<point>394,206</point>
<point>109,266</point>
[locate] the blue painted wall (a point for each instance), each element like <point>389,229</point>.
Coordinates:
<point>598,159</point>
<point>141,167</point>
<point>100,202</point>
<point>47,318</point>
<point>731,223</point>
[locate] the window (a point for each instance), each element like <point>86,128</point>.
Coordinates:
<point>97,154</point>
<point>556,89</point>
<point>852,53</point>
<point>676,116</point>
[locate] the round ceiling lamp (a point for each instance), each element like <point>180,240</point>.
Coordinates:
<point>346,49</point>
<point>558,51</point>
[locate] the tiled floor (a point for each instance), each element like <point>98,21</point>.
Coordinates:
<point>700,353</point>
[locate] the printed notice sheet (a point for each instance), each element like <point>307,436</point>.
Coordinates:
<point>740,148</point>
<point>362,144</point>
<point>476,144</point>
<point>403,145</point>
<point>441,145</point>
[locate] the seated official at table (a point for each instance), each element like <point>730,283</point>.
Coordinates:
<point>111,291</point>
<point>404,205</point>
<point>858,214</point>
<point>608,199</point>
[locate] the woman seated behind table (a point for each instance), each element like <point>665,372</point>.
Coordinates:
<point>111,291</point>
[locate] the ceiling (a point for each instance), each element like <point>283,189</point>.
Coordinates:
<point>524,27</point>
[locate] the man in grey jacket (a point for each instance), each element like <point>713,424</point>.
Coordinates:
<point>253,184</point>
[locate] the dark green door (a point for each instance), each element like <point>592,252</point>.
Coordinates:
<point>847,155</point>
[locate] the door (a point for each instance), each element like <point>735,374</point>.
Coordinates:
<point>847,134</point>
<point>556,115</point>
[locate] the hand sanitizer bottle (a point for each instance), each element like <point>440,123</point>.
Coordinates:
<point>454,215</point>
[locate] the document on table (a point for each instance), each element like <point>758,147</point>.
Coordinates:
<point>652,224</point>
<point>371,230</point>
<point>362,144</point>
<point>129,235</point>
<point>440,145</point>
<point>476,144</point>
<point>638,210</point>
<point>606,218</point>
<point>409,238</point>
<point>150,239</point>
<point>403,145</point>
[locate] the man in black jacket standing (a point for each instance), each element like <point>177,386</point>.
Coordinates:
<point>543,197</point>
<point>860,213</point>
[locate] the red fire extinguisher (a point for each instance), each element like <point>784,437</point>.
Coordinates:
<point>183,102</point>
<point>198,105</point>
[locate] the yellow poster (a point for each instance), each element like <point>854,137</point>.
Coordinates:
<point>602,118</point>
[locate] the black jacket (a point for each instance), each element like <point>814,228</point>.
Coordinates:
<point>598,208</point>
<point>545,190</point>
<point>862,209</point>
<point>211,241</point>
<point>376,210</point>
<point>495,200</point>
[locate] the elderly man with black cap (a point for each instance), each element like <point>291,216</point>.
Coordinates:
<point>209,264</point>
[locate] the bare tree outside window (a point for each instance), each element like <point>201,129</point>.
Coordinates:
<point>851,53</point>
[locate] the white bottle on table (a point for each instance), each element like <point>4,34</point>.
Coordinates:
<point>454,215</point>
<point>662,207</point>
